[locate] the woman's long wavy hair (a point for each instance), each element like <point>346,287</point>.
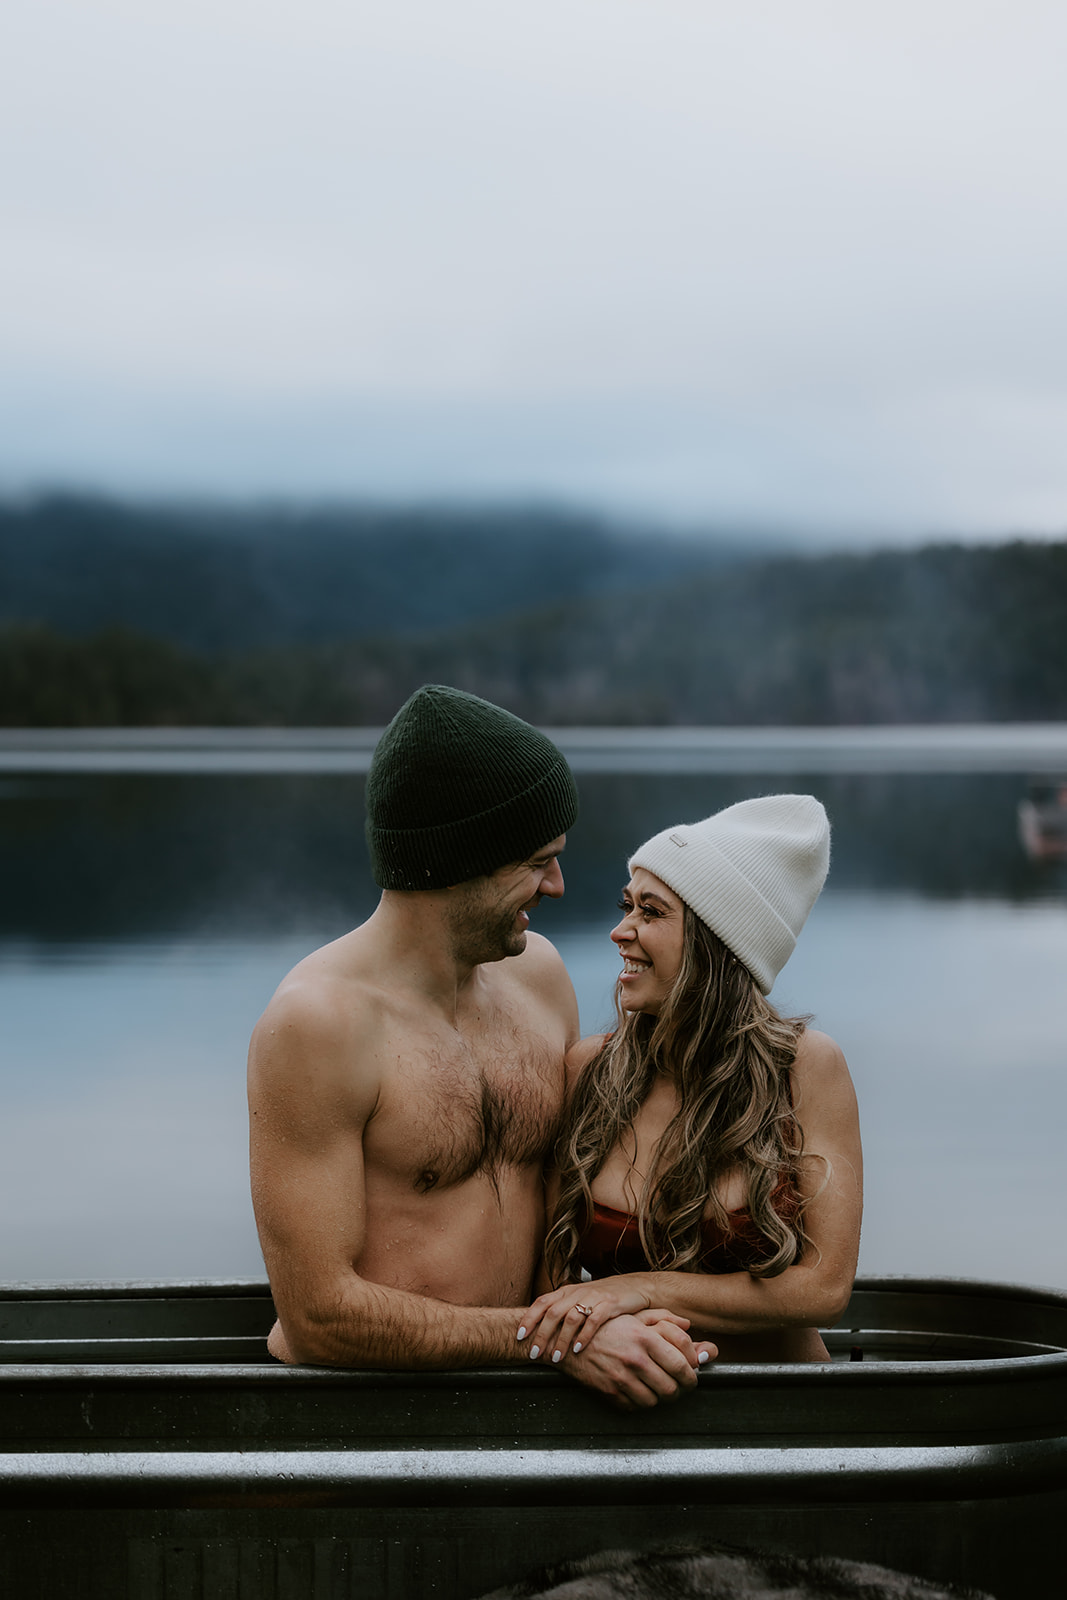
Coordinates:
<point>729,1052</point>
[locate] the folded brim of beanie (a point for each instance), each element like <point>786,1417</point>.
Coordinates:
<point>724,899</point>
<point>453,852</point>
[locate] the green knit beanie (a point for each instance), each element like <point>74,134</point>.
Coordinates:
<point>459,787</point>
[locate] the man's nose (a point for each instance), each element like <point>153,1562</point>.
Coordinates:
<point>552,881</point>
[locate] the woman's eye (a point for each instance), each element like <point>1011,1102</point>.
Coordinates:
<point>624,905</point>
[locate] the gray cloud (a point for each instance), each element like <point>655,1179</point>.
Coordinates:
<point>790,263</point>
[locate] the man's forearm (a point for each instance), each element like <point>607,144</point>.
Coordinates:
<point>370,1325</point>
<point>377,1327</point>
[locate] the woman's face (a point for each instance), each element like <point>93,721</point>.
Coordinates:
<point>650,939</point>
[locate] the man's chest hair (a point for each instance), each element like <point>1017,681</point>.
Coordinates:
<point>456,1110</point>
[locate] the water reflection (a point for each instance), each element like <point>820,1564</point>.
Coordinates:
<point>111,857</point>
<point>145,921</point>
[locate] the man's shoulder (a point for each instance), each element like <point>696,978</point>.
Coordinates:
<point>325,980</point>
<point>541,973</point>
<point>540,962</point>
<point>321,1005</point>
<point>315,1059</point>
<point>310,1002</point>
<point>539,952</point>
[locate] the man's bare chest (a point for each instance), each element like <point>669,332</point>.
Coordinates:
<point>452,1108</point>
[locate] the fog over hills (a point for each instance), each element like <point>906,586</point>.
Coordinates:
<point>116,615</point>
<point>213,579</point>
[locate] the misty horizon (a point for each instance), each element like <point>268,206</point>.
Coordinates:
<point>247,510</point>
<point>796,270</point>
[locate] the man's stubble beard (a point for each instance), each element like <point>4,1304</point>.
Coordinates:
<point>481,932</point>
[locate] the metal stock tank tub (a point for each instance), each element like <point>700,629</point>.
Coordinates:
<point>150,1449</point>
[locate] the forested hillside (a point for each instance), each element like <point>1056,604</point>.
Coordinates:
<point>945,633</point>
<point>224,579</point>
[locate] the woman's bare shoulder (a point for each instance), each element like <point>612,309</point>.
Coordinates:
<point>823,1091</point>
<point>820,1061</point>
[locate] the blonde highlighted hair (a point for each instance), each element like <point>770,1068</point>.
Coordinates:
<point>729,1053</point>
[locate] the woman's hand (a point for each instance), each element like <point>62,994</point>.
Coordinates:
<point>566,1319</point>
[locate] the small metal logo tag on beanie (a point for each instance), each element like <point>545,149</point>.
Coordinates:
<point>677,839</point>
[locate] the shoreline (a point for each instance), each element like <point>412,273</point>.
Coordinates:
<point>1024,748</point>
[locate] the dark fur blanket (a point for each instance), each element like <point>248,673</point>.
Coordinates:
<point>724,1573</point>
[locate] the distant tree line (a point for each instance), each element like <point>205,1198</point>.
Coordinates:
<point>214,579</point>
<point>944,633</point>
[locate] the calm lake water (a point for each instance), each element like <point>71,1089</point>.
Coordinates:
<point>146,920</point>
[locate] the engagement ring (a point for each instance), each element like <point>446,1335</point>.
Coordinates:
<point>587,1311</point>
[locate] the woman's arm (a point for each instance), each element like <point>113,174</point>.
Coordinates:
<point>811,1294</point>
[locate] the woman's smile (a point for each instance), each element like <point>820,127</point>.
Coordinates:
<point>650,940</point>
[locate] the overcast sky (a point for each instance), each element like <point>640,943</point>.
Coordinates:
<point>786,262</point>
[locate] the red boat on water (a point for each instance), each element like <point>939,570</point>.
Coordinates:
<point>1043,820</point>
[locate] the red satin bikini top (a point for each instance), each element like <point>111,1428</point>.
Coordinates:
<point>612,1244</point>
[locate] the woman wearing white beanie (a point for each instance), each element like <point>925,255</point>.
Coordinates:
<point>710,1163</point>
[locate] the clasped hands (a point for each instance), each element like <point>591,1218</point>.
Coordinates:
<point>566,1319</point>
<point>610,1336</point>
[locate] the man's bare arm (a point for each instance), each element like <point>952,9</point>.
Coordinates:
<point>309,1103</point>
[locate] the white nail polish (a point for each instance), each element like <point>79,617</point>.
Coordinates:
<point>534,1353</point>
<point>521,1335</point>
<point>556,1355</point>
<point>577,1347</point>
<point>702,1356</point>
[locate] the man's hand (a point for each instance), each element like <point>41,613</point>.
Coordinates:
<point>637,1361</point>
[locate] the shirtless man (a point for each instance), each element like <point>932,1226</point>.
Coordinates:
<point>405,1081</point>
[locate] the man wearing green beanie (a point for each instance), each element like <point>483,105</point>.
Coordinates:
<point>405,1081</point>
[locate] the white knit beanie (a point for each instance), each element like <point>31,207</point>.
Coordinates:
<point>751,872</point>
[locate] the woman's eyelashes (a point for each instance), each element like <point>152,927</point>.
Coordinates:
<point>648,912</point>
